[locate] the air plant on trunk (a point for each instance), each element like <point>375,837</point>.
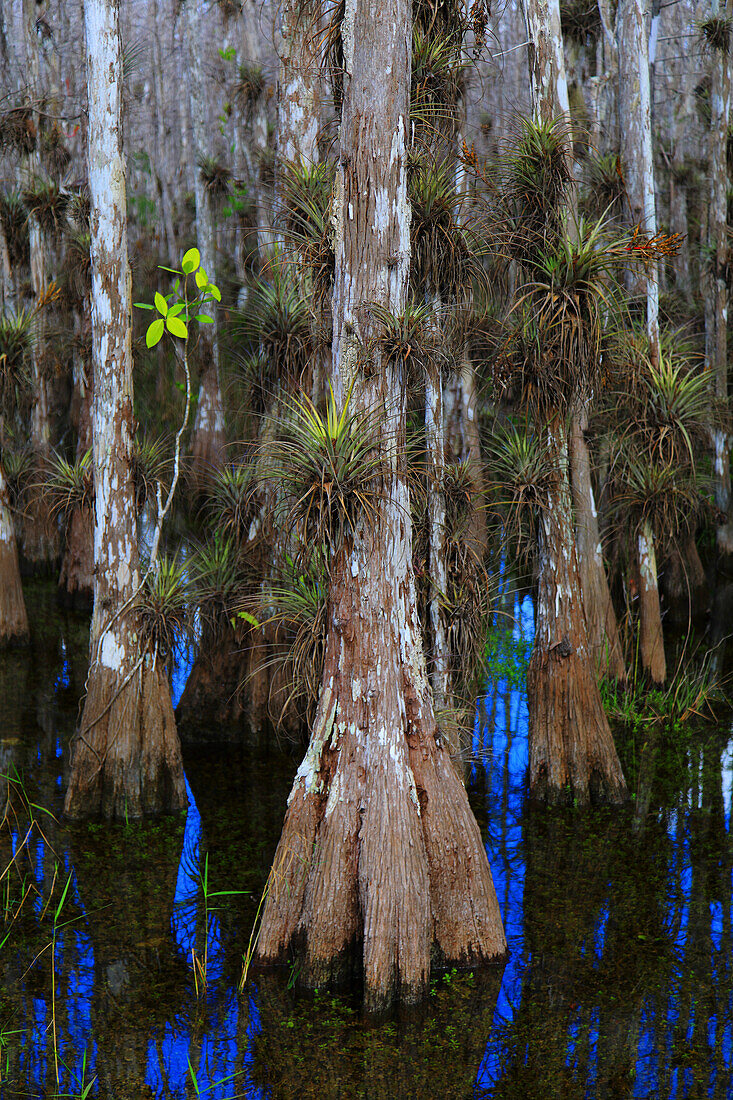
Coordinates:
<point>217,177</point>
<point>70,486</point>
<point>295,602</point>
<point>162,607</point>
<point>48,202</point>
<point>604,190</point>
<point>14,219</point>
<point>230,504</point>
<point>54,153</point>
<point>18,130</point>
<point>661,423</point>
<point>306,192</point>
<point>249,86</point>
<point>277,322</point>
<point>327,468</point>
<point>566,294</point>
<point>16,342</point>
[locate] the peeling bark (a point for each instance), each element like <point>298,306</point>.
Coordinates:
<point>572,756</point>
<point>126,758</point>
<point>380,861</point>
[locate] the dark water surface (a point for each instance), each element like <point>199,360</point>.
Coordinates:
<point>619,984</point>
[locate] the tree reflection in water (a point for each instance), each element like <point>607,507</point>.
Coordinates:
<point>620,980</point>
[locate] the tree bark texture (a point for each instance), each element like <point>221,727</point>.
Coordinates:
<point>716,297</point>
<point>40,538</point>
<point>126,758</point>
<point>439,656</point>
<point>209,438</point>
<point>299,85</point>
<point>635,123</point>
<point>548,81</point>
<point>600,616</point>
<point>380,854</point>
<point>13,617</point>
<point>571,751</point>
<point>651,643</point>
<point>76,581</point>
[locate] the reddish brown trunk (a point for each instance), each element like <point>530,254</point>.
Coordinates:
<point>600,617</point>
<point>572,756</point>
<point>13,617</point>
<point>380,862</point>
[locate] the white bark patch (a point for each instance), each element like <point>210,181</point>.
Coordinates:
<point>308,773</point>
<point>112,653</point>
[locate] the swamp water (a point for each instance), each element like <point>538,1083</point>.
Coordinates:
<point>619,983</point>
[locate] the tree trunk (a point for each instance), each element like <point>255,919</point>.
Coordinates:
<point>299,86</point>
<point>126,758</point>
<point>716,297</point>
<point>572,756</point>
<point>439,657</point>
<point>549,86</point>
<point>380,853</point>
<point>76,581</point>
<point>13,617</point>
<point>40,537</point>
<point>600,616</point>
<point>161,141</point>
<point>635,124</point>
<point>209,438</point>
<point>651,642</point>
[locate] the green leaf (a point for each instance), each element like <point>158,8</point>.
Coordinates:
<point>176,309</point>
<point>60,905</point>
<point>214,292</point>
<point>154,333</point>
<point>176,327</point>
<point>160,304</point>
<point>191,260</point>
<point>248,619</point>
<point>204,319</point>
<point>202,279</point>
<point>176,284</point>
<point>143,305</point>
<point>172,270</point>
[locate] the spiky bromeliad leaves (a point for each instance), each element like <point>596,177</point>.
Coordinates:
<point>230,502</point>
<point>327,468</point>
<point>161,610</point>
<point>446,245</point>
<point>48,202</point>
<point>216,581</point>
<point>296,602</point>
<point>14,218</point>
<point>70,485</point>
<point>16,341</point>
<point>277,324</point>
<point>521,476</point>
<point>306,198</point>
<point>412,337</point>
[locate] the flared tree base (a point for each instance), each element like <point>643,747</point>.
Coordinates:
<point>126,759</point>
<point>572,756</point>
